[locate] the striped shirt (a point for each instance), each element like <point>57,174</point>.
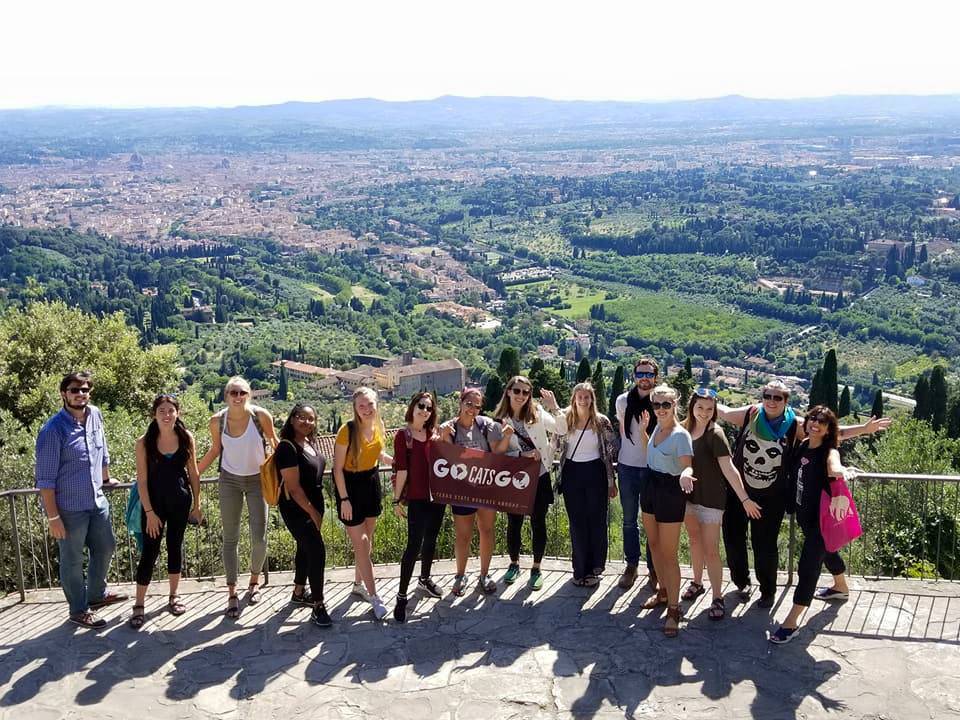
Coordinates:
<point>70,460</point>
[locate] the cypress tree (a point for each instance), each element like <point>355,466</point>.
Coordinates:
<point>282,389</point>
<point>953,419</point>
<point>816,391</point>
<point>844,402</point>
<point>829,382</point>
<point>598,384</point>
<point>877,409</point>
<point>615,391</point>
<point>921,393</point>
<point>583,371</point>
<point>938,397</point>
<point>509,365</point>
<point>494,391</point>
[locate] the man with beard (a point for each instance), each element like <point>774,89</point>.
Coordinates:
<point>636,419</point>
<point>72,465</point>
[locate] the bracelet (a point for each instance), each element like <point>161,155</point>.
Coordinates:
<point>55,517</point>
<point>397,502</point>
<point>148,511</point>
<point>744,499</point>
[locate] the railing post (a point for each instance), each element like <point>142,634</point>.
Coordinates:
<point>16,546</point>
<point>790,543</point>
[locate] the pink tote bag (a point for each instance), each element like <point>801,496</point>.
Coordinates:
<point>837,533</point>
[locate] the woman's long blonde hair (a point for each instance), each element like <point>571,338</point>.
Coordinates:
<point>573,416</point>
<point>530,410</point>
<point>379,432</point>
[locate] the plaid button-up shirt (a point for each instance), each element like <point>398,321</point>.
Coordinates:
<point>70,460</point>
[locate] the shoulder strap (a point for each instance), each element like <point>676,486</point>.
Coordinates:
<point>223,420</point>
<point>256,420</point>
<point>408,439</point>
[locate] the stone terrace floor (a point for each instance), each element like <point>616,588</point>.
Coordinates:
<point>892,651</point>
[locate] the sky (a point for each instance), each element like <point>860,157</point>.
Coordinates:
<point>213,53</point>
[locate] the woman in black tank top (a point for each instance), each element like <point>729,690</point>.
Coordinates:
<point>169,487</point>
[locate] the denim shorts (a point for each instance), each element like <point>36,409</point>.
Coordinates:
<point>706,515</point>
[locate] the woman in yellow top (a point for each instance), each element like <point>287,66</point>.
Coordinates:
<point>357,455</point>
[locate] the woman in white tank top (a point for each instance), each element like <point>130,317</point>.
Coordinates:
<point>238,436</point>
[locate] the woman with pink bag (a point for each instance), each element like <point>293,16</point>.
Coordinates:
<point>817,468</point>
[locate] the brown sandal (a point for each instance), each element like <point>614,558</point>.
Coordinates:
<point>672,624</point>
<point>655,601</point>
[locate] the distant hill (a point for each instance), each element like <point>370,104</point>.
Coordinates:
<point>479,113</point>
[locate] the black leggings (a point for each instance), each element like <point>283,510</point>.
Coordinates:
<point>310,560</point>
<point>813,557</point>
<point>424,519</point>
<point>175,525</point>
<point>538,524</point>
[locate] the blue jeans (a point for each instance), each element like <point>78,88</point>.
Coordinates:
<point>633,483</point>
<point>91,529</point>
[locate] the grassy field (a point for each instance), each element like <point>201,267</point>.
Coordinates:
<point>317,292</point>
<point>365,294</point>
<point>579,297</point>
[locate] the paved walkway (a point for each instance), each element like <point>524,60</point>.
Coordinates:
<point>892,651</point>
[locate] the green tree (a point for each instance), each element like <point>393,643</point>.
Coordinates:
<point>829,381</point>
<point>493,391</point>
<point>599,385</point>
<point>42,342</point>
<point>282,389</point>
<point>921,394</point>
<point>683,383</point>
<point>877,409</point>
<point>616,389</point>
<point>583,371</point>
<point>844,402</point>
<point>939,393</point>
<point>509,364</point>
<point>816,390</point>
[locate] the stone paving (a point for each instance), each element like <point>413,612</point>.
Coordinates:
<point>891,651</point>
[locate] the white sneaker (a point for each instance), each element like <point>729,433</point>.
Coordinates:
<point>379,609</point>
<point>360,591</point>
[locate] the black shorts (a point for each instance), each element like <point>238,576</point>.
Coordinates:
<point>461,510</point>
<point>365,496</point>
<point>664,498</point>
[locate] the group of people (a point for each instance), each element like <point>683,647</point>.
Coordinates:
<point>672,474</point>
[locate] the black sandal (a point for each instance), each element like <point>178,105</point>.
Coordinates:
<point>233,607</point>
<point>717,609</point>
<point>693,591</point>
<point>137,619</point>
<point>175,607</point>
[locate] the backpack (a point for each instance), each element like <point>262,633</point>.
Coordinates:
<point>270,478</point>
<point>408,441</point>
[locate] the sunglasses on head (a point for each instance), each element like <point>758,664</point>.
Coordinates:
<point>78,390</point>
<point>773,396</point>
<point>705,392</point>
<point>426,407</point>
<point>237,393</point>
<point>520,391</point>
<point>665,405</point>
<point>641,374</point>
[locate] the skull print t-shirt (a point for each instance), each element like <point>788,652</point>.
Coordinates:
<point>762,458</point>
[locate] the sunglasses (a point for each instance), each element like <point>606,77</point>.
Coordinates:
<point>471,404</point>
<point>79,390</point>
<point>705,392</point>
<point>665,405</point>
<point>519,391</point>
<point>305,419</point>
<point>775,398</point>
<point>237,393</point>
<point>641,374</point>
<point>425,407</point>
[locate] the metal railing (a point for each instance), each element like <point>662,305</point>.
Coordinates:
<point>910,529</point>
